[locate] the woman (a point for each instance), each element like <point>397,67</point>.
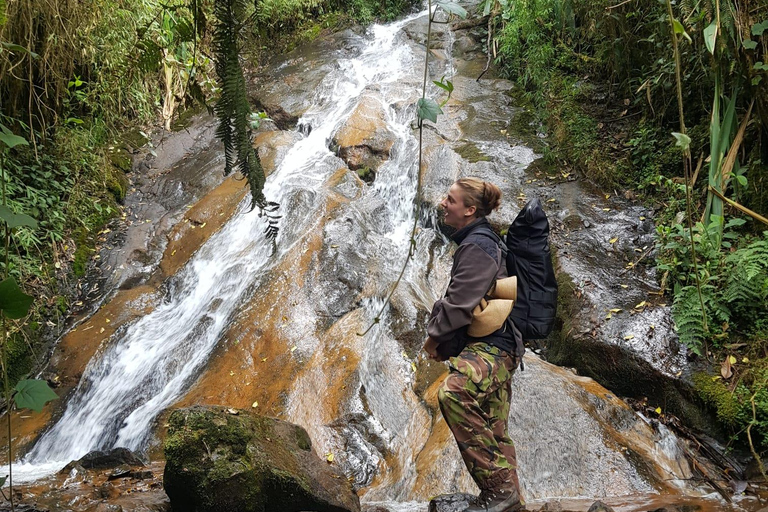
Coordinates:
<point>474,398</point>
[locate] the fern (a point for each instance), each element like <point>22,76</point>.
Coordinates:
<point>747,276</point>
<point>233,109</point>
<point>687,313</point>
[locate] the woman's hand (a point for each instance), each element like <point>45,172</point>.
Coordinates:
<point>430,347</point>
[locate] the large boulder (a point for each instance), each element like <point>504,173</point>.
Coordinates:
<point>221,459</point>
<point>364,140</point>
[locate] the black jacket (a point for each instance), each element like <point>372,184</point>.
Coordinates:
<point>477,264</point>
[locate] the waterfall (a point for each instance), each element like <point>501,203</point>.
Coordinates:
<point>148,365</point>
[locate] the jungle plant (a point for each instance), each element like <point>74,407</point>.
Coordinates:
<point>15,304</point>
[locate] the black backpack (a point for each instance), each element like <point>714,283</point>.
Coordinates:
<point>529,258</point>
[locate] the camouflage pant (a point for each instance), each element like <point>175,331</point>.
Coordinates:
<point>474,400</point>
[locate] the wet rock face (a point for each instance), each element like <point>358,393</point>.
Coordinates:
<point>364,141</point>
<point>217,460</point>
<point>451,502</point>
<point>103,460</point>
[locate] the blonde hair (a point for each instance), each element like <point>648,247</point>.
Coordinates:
<point>483,195</point>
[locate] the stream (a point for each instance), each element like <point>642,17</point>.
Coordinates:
<point>250,322</point>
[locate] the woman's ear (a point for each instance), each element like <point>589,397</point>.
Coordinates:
<point>470,212</point>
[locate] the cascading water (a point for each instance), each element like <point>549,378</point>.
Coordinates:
<point>376,415</point>
<point>148,365</point>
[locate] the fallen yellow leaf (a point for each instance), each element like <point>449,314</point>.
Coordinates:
<point>255,404</point>
<point>625,286</point>
<point>658,410</point>
<point>733,360</point>
<point>745,360</point>
<point>616,310</point>
<point>614,240</point>
<point>641,305</point>
<point>329,457</point>
<point>231,373</point>
<point>629,337</point>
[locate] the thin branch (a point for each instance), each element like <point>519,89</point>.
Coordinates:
<point>617,5</point>
<point>738,206</point>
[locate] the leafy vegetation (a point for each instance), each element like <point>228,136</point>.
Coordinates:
<point>668,100</point>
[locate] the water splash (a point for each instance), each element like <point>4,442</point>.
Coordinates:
<point>148,365</point>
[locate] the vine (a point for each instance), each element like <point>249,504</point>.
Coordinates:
<point>427,109</point>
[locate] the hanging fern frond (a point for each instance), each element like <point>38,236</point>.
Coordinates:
<point>687,313</point>
<point>233,109</point>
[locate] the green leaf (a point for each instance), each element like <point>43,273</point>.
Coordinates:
<point>710,36</point>
<point>453,8</point>
<point>9,139</point>
<point>13,302</point>
<point>2,480</point>
<point>15,220</point>
<point>683,140</point>
<point>447,86</point>
<point>742,180</point>
<point>487,7</point>
<point>679,29</point>
<point>33,394</point>
<point>757,80</point>
<point>759,28</point>
<point>749,44</point>
<point>11,47</point>
<point>427,108</point>
<point>760,66</point>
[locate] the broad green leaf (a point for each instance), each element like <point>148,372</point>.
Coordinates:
<point>679,29</point>
<point>13,302</point>
<point>10,139</point>
<point>742,180</point>
<point>427,108</point>
<point>759,28</point>
<point>18,48</point>
<point>760,66</point>
<point>33,394</point>
<point>710,36</point>
<point>683,140</point>
<point>749,44</point>
<point>15,220</point>
<point>2,480</point>
<point>453,8</point>
<point>487,8</point>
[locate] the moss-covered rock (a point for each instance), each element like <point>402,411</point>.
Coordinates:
<point>221,461</point>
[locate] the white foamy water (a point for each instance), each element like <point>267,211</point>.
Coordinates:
<point>145,368</point>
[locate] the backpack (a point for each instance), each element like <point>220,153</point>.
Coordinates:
<point>529,258</point>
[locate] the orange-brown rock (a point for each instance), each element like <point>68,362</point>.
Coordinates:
<point>205,218</point>
<point>364,140</point>
<point>272,147</point>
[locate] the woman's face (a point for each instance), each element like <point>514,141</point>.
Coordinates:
<point>455,213</point>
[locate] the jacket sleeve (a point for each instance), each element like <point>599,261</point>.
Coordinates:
<point>473,272</point>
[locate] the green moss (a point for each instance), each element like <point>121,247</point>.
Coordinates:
<point>62,304</point>
<point>19,358</point>
<point>366,174</point>
<point>730,406</point>
<point>470,152</point>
